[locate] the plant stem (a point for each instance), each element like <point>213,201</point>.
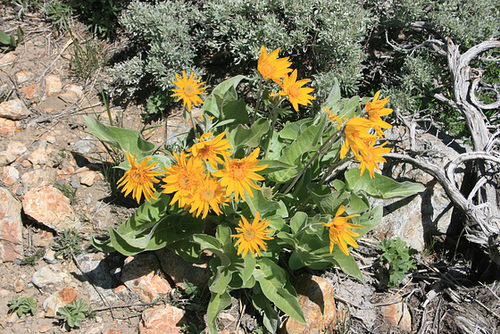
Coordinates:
<point>305,228</point>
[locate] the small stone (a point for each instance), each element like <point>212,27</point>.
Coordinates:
<point>18,285</point>
<point>39,155</point>
<point>9,175</point>
<point>23,76</point>
<point>14,110</point>
<point>11,238</point>
<point>48,205</point>
<point>84,146</point>
<point>113,331</point>
<point>6,158</point>
<point>37,177</point>
<point>87,176</point>
<point>16,147</point>
<point>50,257</point>
<point>7,126</point>
<point>7,58</point>
<point>47,276</point>
<point>12,318</point>
<point>57,300</point>
<point>72,93</point>
<point>397,314</point>
<point>30,92</point>
<point>26,163</point>
<point>53,85</point>
<point>44,329</point>
<point>43,238</point>
<point>166,319</point>
<point>139,274</point>
<point>316,300</point>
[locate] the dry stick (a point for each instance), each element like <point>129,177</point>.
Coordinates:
<point>91,283</point>
<point>68,43</point>
<point>110,307</point>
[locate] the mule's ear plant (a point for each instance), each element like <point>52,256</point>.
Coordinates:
<point>72,315</point>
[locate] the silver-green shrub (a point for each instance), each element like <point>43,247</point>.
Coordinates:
<point>322,37</point>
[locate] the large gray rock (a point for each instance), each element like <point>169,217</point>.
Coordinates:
<point>413,219</point>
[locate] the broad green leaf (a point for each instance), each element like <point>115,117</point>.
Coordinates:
<point>380,186</point>
<point>236,110</point>
<point>212,244</point>
<point>127,140</point>
<point>266,207</point>
<point>4,38</point>
<point>370,220</point>
<point>298,221</point>
<point>338,185</point>
<point>218,302</point>
<point>226,85</point>
<point>269,316</point>
<point>292,130</point>
<point>328,201</point>
<point>220,280</point>
<point>274,283</point>
<point>241,136</point>
<point>274,166</point>
<point>334,95</point>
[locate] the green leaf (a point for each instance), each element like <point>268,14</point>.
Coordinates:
<point>236,110</point>
<point>266,207</point>
<point>218,302</point>
<point>298,221</point>
<point>4,38</point>
<point>274,283</point>
<point>375,216</point>
<point>270,316</point>
<point>226,85</point>
<point>242,137</point>
<point>334,95</point>
<point>127,140</point>
<point>380,186</point>
<point>327,201</point>
<point>274,166</point>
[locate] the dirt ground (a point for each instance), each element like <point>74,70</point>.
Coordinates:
<point>443,295</point>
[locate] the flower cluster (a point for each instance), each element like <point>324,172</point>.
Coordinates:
<point>361,139</point>
<point>276,69</point>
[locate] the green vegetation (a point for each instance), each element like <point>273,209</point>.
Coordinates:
<point>72,315</point>
<point>67,244</point>
<point>22,306</point>
<point>397,258</point>
<point>9,42</point>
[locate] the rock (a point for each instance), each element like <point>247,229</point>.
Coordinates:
<point>14,110</point>
<point>31,91</point>
<point>53,85</point>
<point>57,300</point>
<point>98,272</point>
<point>7,126</point>
<point>47,276</point>
<point>318,304</point>
<point>113,331</point>
<point>72,93</point>
<point>87,176</point>
<point>37,177</point>
<point>162,319</point>
<point>43,238</point>
<point>397,314</point>
<point>39,155</point>
<point>429,213</point>
<point>47,205</point>
<point>50,257</point>
<point>18,285</point>
<point>11,238</point>
<point>139,274</point>
<point>16,147</point>
<point>7,58</point>
<point>180,270</point>
<point>9,175</point>
<point>23,76</point>
<point>84,146</point>
<point>6,158</point>
<point>45,329</point>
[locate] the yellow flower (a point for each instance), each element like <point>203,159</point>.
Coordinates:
<point>189,89</point>
<point>295,92</point>
<point>183,178</point>
<point>355,134</point>
<point>252,236</point>
<point>375,111</point>
<point>139,179</point>
<point>208,194</point>
<point>370,156</point>
<point>332,116</point>
<point>272,68</point>
<point>339,231</point>
<point>237,175</point>
<point>210,149</point>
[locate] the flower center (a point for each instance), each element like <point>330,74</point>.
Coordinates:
<point>189,90</point>
<point>205,152</point>
<point>249,235</point>
<point>138,176</point>
<point>267,71</point>
<point>208,194</point>
<point>238,172</point>
<point>184,181</point>
<point>293,92</point>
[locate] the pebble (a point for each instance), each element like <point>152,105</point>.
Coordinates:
<point>23,76</point>
<point>11,237</point>
<point>48,275</point>
<point>14,110</point>
<point>53,85</point>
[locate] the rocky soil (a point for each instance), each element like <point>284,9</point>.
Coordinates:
<point>53,177</point>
